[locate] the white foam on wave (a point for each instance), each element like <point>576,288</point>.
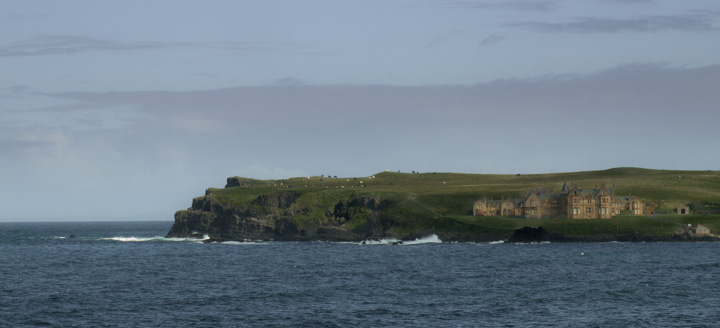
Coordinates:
<point>534,243</point>
<point>431,239</point>
<point>243,243</point>
<point>133,239</point>
<point>156,238</point>
<point>388,241</point>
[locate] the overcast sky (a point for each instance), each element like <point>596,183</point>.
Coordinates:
<point>128,109</point>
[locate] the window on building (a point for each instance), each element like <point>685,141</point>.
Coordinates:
<point>589,210</point>
<point>575,211</point>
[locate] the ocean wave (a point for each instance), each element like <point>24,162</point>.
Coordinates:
<point>156,238</point>
<point>431,239</point>
<point>534,243</point>
<point>243,243</point>
<point>387,241</point>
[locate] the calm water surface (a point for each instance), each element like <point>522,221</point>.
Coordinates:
<point>124,275</point>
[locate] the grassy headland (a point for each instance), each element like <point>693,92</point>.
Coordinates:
<point>442,202</point>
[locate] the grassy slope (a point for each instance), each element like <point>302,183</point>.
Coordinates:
<point>444,200</point>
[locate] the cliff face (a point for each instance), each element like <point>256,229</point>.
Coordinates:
<point>280,216</point>
<point>207,216</point>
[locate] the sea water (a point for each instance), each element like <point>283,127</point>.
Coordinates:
<point>127,275</point>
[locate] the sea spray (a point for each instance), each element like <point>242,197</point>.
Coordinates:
<point>244,243</point>
<point>155,238</point>
<point>430,239</point>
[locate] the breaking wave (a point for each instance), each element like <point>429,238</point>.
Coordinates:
<point>388,241</point>
<point>534,243</point>
<point>156,238</point>
<point>431,239</point>
<point>243,243</point>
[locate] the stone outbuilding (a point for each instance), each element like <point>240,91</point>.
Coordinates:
<point>701,230</point>
<point>685,210</point>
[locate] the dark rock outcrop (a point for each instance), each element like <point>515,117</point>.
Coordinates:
<point>272,217</point>
<point>683,236</point>
<point>534,235</point>
<point>347,209</point>
<point>241,182</point>
<point>281,200</point>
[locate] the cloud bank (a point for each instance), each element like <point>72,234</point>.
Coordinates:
<point>538,5</point>
<point>69,44</point>
<point>173,144</point>
<point>644,24</point>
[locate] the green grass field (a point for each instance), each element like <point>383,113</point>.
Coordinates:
<point>445,200</point>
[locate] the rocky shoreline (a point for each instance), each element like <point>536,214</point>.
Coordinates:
<point>524,235</point>
<point>528,234</point>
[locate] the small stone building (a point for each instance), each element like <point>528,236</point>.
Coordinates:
<point>701,230</point>
<point>685,210</point>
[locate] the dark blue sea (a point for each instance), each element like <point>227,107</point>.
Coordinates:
<point>124,274</point>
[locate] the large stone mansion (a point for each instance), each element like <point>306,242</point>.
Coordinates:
<point>572,203</point>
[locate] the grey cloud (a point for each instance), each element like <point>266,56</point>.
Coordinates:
<point>78,106</point>
<point>55,45</point>
<point>18,88</point>
<point>11,148</point>
<point>288,81</point>
<point>443,38</point>
<point>52,45</point>
<point>350,108</point>
<point>526,5</point>
<point>629,2</point>
<point>657,23</point>
<point>491,40</point>
<point>208,75</point>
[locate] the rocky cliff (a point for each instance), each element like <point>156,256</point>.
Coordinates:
<point>278,214</point>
